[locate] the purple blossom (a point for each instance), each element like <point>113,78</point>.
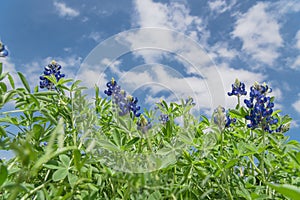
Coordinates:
<point>3,50</point>
<point>52,69</point>
<point>261,108</point>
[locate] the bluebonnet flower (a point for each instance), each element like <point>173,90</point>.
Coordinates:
<point>261,108</point>
<point>143,124</point>
<point>3,51</point>
<point>119,98</point>
<point>222,119</point>
<point>158,105</point>
<point>52,69</point>
<point>163,118</point>
<point>238,89</point>
<point>190,101</point>
<point>43,143</point>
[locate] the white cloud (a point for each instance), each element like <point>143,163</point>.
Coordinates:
<point>296,63</point>
<point>298,40</point>
<point>221,50</point>
<point>221,6</point>
<point>173,16</point>
<point>259,32</point>
<point>65,11</point>
<point>96,36</point>
<point>296,106</point>
<point>67,49</point>
<point>170,21</point>
<point>294,124</point>
<point>286,6</point>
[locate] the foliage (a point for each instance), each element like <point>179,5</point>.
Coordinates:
<point>67,147</point>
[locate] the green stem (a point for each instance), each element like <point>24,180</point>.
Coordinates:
<point>252,157</point>
<point>72,120</point>
<point>262,165</point>
<point>222,138</point>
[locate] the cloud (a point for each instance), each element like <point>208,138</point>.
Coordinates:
<point>220,6</point>
<point>65,11</point>
<point>96,36</point>
<point>174,20</point>
<point>286,6</point>
<point>298,40</point>
<point>296,106</point>
<point>221,51</point>
<point>259,32</point>
<point>295,63</point>
<point>174,16</point>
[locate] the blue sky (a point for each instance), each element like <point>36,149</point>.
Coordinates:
<point>161,49</point>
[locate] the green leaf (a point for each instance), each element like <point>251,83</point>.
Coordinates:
<point>40,195</point>
<point>72,178</point>
<point>49,116</point>
<point>231,163</point>
<point>77,158</point>
<point>287,190</point>
<point>60,174</point>
<point>155,196</point>
<point>37,131</point>
<point>11,81</point>
<point>24,81</point>
<point>2,76</point>
<point>3,174</point>
<point>63,81</point>
<point>236,114</point>
<point>2,132</point>
<point>1,68</point>
<point>132,142</point>
<point>52,166</point>
<point>65,160</point>
<point>8,96</point>
<point>108,145</point>
<point>50,92</point>
<point>3,87</point>
<point>75,84</point>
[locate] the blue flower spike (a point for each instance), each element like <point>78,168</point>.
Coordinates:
<point>238,89</point>
<point>3,50</point>
<point>126,104</point>
<point>163,118</point>
<point>51,69</point>
<point>143,124</point>
<point>261,108</point>
<point>222,119</point>
<point>190,101</point>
